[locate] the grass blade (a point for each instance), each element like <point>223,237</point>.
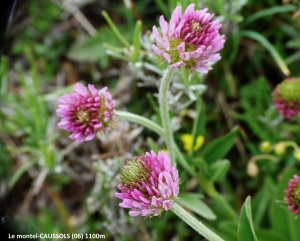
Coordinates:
<point>263,41</point>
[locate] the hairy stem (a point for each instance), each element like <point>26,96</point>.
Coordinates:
<point>140,120</point>
<point>194,223</point>
<point>164,111</point>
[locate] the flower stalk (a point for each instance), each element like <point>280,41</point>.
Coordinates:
<point>164,111</point>
<point>194,223</point>
<point>140,120</point>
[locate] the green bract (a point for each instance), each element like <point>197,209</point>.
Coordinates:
<point>290,89</point>
<point>134,171</point>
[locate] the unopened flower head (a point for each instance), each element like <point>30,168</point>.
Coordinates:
<point>190,39</point>
<point>280,148</point>
<point>265,146</point>
<point>292,195</point>
<point>252,169</point>
<point>286,97</point>
<point>148,184</point>
<point>85,111</point>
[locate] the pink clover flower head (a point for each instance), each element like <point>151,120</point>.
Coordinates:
<point>85,111</point>
<point>148,184</point>
<point>292,195</point>
<point>190,39</point>
<point>286,97</point>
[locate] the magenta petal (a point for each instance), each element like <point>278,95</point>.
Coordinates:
<point>119,195</point>
<point>135,213</point>
<point>157,50</point>
<point>80,89</point>
<point>164,25</point>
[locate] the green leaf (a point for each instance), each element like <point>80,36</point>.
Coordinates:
<point>219,147</point>
<point>263,41</point>
<point>115,29</point>
<point>199,125</point>
<point>200,164</point>
<point>267,12</point>
<point>246,227</point>
<point>136,41</point>
<point>4,82</point>
<point>273,235</point>
<point>21,170</point>
<point>92,49</point>
<point>219,170</point>
<point>282,220</point>
<point>48,155</point>
<point>294,43</point>
<point>163,7</point>
<point>293,57</point>
<point>229,228</point>
<point>261,201</point>
<point>152,145</point>
<point>192,202</point>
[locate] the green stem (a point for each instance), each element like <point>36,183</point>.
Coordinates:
<point>164,111</point>
<point>264,156</point>
<point>207,186</point>
<point>194,223</point>
<point>140,120</point>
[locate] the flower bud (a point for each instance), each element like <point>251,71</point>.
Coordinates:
<point>286,97</point>
<point>252,169</point>
<point>265,146</point>
<point>279,148</point>
<point>292,195</point>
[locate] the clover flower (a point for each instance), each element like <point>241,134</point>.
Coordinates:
<point>85,111</point>
<point>148,184</point>
<point>190,39</point>
<point>292,195</point>
<point>286,97</point>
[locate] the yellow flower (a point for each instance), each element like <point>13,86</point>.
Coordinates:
<point>187,140</point>
<point>199,142</point>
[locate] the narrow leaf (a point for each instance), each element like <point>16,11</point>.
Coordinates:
<point>115,29</point>
<point>152,145</point>
<point>219,147</point>
<point>16,176</point>
<point>219,170</point>
<point>193,203</point>
<point>199,124</point>
<point>263,41</point>
<point>246,227</point>
<point>267,12</point>
<point>136,41</point>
